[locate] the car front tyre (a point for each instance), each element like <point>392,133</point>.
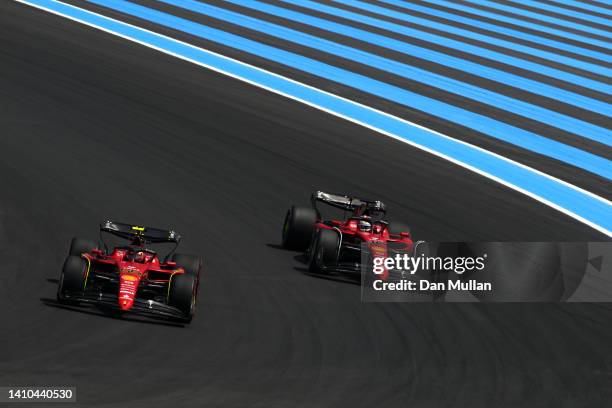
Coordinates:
<point>324,251</point>
<point>182,295</point>
<point>72,278</point>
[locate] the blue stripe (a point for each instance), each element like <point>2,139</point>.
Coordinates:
<point>584,6</point>
<point>518,107</point>
<point>457,45</point>
<point>571,62</point>
<point>541,17</point>
<point>480,123</point>
<point>503,30</point>
<point>566,12</point>
<point>523,23</point>
<point>593,210</point>
<point>473,68</point>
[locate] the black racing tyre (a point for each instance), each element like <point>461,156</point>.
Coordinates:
<point>324,251</point>
<point>182,294</point>
<point>81,245</point>
<point>398,227</point>
<point>298,227</point>
<point>72,278</point>
<point>191,263</point>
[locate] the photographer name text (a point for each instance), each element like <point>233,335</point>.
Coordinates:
<point>427,285</point>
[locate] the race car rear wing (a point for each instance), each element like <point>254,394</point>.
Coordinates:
<point>140,233</point>
<point>347,203</point>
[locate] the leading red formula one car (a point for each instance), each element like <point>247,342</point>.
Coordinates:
<point>132,277</point>
<point>343,246</point>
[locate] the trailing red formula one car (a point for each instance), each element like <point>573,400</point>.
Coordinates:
<point>132,277</point>
<point>338,245</point>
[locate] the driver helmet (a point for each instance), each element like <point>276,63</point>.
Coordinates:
<point>365,226</point>
<point>140,257</point>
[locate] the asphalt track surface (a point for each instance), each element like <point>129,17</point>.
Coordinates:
<point>94,127</point>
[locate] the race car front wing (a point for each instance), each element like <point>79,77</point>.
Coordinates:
<point>147,307</point>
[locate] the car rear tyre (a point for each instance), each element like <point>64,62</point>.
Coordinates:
<point>298,227</point>
<point>81,245</point>
<point>182,295</point>
<point>324,251</point>
<point>191,263</point>
<point>72,278</point>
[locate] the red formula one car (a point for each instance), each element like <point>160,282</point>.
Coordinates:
<point>132,277</point>
<point>343,246</point>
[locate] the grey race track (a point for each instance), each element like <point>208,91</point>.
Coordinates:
<point>94,127</point>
